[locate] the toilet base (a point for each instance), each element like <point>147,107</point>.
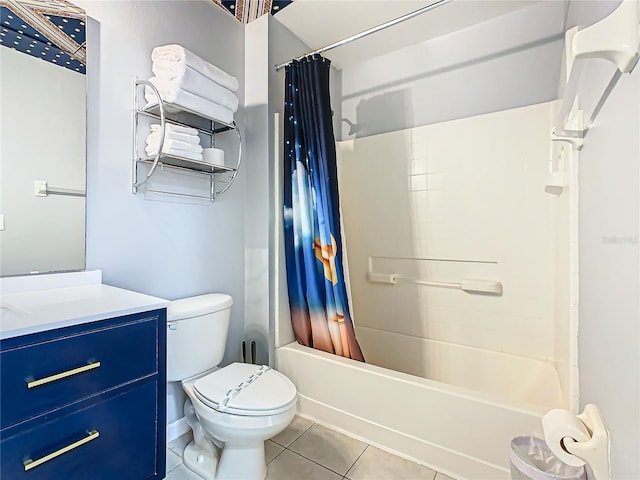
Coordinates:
<point>206,467</point>
<point>239,462</point>
<point>245,461</point>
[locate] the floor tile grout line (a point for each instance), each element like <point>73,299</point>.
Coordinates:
<point>319,464</point>
<point>356,461</point>
<point>344,475</point>
<point>278,454</point>
<point>292,441</point>
<point>175,466</point>
<point>306,430</point>
<point>365,449</point>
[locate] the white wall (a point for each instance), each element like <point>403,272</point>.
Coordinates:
<point>264,89</point>
<point>43,138</point>
<point>506,62</point>
<point>283,46</point>
<point>609,332</point>
<point>268,43</point>
<point>267,321</point>
<point>459,199</point>
<point>609,336</point>
<point>171,250</point>
<point>257,186</point>
<point>566,272</point>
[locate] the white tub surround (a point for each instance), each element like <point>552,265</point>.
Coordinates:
<point>452,212</point>
<point>34,304</point>
<point>514,379</point>
<point>460,432</point>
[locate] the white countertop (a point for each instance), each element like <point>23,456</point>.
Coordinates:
<point>40,310</point>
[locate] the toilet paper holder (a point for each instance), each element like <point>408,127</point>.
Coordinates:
<point>595,451</point>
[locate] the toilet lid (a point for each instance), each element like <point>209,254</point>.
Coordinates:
<point>246,389</point>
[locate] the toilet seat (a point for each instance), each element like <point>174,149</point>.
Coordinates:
<point>246,389</point>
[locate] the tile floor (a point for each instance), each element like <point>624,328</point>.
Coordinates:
<point>306,450</point>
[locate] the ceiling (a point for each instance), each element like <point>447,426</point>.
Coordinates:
<point>321,22</point>
<point>51,30</point>
<point>246,11</point>
<point>54,29</point>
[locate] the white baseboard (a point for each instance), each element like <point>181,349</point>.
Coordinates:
<point>177,429</point>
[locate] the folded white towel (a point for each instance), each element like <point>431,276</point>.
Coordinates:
<point>170,127</point>
<point>154,137</point>
<point>192,82</point>
<point>172,145</point>
<point>194,103</point>
<point>181,57</point>
<point>177,153</point>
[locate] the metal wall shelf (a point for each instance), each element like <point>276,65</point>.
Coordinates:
<point>220,176</point>
<point>188,164</point>
<point>153,110</point>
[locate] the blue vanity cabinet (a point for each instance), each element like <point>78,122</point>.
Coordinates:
<point>85,402</point>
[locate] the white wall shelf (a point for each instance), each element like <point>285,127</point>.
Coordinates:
<point>615,38</point>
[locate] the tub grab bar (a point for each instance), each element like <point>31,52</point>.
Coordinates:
<point>469,285</point>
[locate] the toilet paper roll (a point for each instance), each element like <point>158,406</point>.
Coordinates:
<point>214,156</point>
<point>557,425</point>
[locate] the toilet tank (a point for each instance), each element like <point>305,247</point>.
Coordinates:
<point>197,330</point>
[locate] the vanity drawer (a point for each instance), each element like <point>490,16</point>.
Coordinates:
<point>111,439</point>
<point>40,377</point>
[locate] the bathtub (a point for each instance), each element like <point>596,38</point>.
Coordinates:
<point>462,432</point>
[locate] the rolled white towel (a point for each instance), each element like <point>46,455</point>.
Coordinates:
<point>152,146</point>
<point>178,153</point>
<point>194,103</point>
<point>170,127</point>
<point>181,57</point>
<point>154,137</point>
<point>193,82</point>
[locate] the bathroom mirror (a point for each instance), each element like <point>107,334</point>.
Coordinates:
<point>43,131</point>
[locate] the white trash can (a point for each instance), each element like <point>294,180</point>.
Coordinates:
<point>531,459</point>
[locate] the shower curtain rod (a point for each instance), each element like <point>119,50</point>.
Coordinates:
<point>366,33</point>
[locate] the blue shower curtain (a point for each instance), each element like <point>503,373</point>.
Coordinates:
<point>313,244</point>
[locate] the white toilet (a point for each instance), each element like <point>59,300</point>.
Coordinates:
<point>231,410</point>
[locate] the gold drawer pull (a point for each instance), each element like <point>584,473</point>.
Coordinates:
<point>29,464</point>
<point>59,376</point>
